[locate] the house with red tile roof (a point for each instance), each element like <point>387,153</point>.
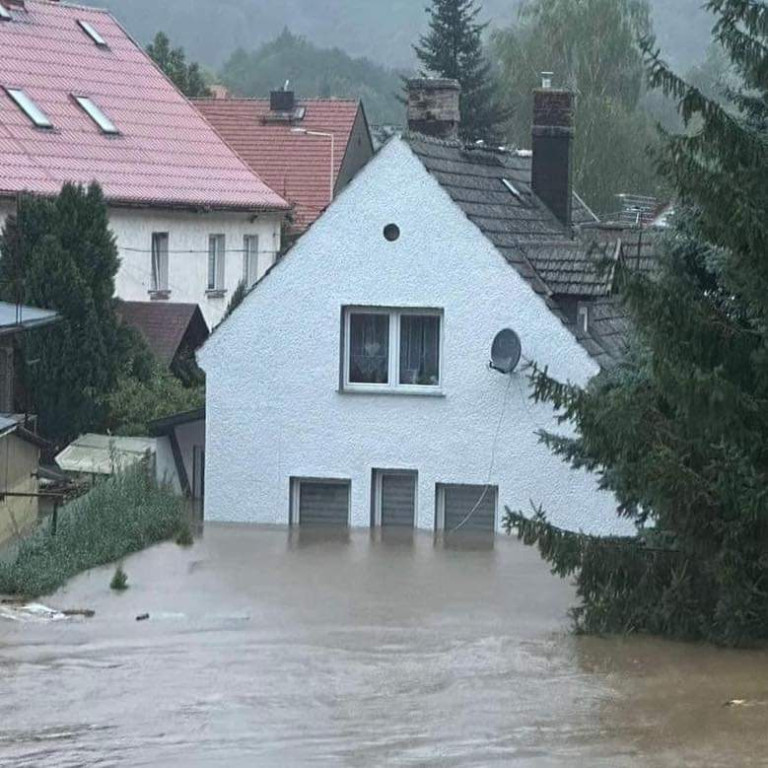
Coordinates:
<point>81,101</point>
<point>307,150</point>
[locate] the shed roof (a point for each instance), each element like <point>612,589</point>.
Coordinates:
<point>165,154</point>
<point>164,325</point>
<point>295,165</point>
<point>15,318</point>
<point>104,454</point>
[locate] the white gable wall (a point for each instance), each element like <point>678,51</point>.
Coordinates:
<point>188,252</point>
<point>274,410</point>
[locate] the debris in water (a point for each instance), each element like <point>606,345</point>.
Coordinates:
<point>84,612</point>
<point>142,617</point>
<point>745,703</point>
<point>30,612</point>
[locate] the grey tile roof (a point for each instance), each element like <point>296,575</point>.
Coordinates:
<point>493,189</point>
<point>575,267</point>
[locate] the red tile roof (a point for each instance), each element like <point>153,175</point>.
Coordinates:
<point>166,153</point>
<point>295,165</point>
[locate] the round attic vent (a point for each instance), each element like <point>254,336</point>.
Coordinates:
<point>392,232</point>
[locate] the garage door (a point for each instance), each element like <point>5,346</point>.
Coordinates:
<point>397,499</point>
<point>323,502</point>
<point>458,503</point>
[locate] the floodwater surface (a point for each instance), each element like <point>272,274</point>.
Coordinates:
<point>269,648</point>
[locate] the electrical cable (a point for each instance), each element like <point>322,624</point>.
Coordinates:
<point>493,458</point>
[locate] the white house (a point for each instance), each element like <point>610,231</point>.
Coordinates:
<point>80,101</point>
<point>353,387</point>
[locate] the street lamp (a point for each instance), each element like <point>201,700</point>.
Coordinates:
<point>322,135</point>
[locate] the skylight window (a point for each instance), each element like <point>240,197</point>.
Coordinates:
<point>92,33</point>
<point>98,117</point>
<point>29,108</point>
<point>4,13</point>
<point>513,189</point>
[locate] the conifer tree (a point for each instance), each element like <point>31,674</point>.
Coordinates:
<point>60,254</point>
<point>679,431</point>
<point>453,48</point>
<point>188,78</point>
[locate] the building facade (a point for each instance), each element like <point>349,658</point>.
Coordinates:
<point>80,101</point>
<point>373,402</point>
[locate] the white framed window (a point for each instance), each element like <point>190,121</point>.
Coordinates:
<point>217,245</point>
<point>95,113</point>
<point>392,350</point>
<point>29,107</point>
<point>250,260</point>
<point>93,33</point>
<point>160,242</point>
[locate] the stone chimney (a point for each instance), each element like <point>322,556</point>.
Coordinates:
<point>553,130</point>
<point>433,107</point>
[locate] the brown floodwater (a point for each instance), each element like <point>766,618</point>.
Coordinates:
<point>266,648</point>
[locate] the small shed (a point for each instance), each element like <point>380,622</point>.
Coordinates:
<point>20,451</point>
<point>96,456</point>
<point>185,437</point>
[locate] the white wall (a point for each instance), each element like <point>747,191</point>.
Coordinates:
<point>188,247</point>
<point>274,410</point>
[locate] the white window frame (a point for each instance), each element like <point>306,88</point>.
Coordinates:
<point>250,278</point>
<point>160,271</point>
<point>393,386</point>
<point>29,107</point>
<point>96,113</point>
<point>217,249</point>
<point>93,33</point>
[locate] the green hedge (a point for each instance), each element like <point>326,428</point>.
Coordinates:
<point>124,514</point>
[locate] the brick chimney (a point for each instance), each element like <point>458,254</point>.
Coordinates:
<point>433,107</point>
<point>553,131</point>
<point>282,100</point>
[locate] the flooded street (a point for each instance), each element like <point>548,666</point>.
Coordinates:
<point>265,648</point>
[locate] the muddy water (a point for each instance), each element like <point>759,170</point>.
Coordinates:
<point>270,649</point>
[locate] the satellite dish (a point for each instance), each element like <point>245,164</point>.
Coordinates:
<point>506,351</point>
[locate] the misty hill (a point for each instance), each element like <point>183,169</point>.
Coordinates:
<point>211,30</point>
<point>313,71</point>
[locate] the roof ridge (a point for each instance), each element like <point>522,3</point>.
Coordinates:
<point>265,100</point>
<point>73,6</point>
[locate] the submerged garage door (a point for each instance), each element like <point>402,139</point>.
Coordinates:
<point>397,499</point>
<point>323,502</point>
<point>458,503</point>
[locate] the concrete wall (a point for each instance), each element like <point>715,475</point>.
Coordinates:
<point>18,461</point>
<point>274,410</point>
<point>188,246</point>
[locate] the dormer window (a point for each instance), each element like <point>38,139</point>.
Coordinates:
<point>98,117</point>
<point>5,13</point>
<point>91,31</point>
<point>29,108</point>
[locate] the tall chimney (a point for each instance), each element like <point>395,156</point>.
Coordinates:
<point>553,130</point>
<point>433,107</point>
